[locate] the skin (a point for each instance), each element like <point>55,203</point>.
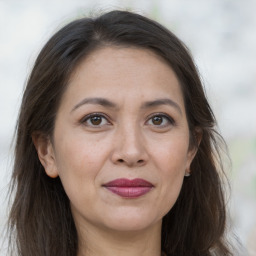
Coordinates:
<point>124,142</point>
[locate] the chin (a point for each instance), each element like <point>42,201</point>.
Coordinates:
<point>129,226</point>
<point>131,221</point>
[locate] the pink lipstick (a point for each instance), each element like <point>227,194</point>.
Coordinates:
<point>129,188</point>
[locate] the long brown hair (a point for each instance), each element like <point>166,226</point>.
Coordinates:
<point>40,221</point>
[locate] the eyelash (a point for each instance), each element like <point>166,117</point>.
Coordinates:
<point>168,118</point>
<point>87,118</point>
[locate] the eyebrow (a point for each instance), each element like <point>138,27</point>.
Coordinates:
<point>148,104</point>
<point>96,101</point>
<point>159,102</point>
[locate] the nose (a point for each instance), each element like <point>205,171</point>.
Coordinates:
<point>129,148</point>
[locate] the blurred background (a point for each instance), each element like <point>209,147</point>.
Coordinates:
<point>221,35</point>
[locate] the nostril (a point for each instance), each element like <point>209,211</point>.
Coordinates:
<point>131,162</point>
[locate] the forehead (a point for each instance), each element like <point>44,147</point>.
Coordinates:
<point>124,71</point>
<point>120,58</point>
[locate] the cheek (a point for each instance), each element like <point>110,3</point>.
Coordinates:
<point>78,163</point>
<point>171,155</point>
<point>78,155</point>
<point>170,159</point>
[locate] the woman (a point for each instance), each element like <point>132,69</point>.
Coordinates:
<point>116,151</point>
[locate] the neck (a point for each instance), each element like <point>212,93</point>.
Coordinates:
<point>95,241</point>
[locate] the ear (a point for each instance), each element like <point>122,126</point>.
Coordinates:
<point>45,153</point>
<point>193,148</point>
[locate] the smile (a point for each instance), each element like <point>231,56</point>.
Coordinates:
<point>129,188</point>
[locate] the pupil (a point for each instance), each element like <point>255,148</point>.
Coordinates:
<point>96,120</point>
<point>157,120</point>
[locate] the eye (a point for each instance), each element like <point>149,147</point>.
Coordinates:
<point>95,120</point>
<point>160,120</point>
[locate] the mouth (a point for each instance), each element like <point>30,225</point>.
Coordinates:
<point>129,188</point>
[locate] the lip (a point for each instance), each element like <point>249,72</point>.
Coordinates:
<point>129,188</point>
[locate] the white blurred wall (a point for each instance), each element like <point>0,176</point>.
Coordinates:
<point>222,37</point>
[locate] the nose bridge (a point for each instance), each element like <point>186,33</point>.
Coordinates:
<point>130,138</point>
<point>130,145</point>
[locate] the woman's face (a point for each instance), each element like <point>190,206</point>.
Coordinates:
<point>121,140</point>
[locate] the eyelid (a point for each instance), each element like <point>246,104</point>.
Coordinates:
<point>170,120</point>
<point>87,117</point>
<point>164,115</point>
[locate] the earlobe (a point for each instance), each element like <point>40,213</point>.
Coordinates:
<point>45,153</point>
<point>191,155</point>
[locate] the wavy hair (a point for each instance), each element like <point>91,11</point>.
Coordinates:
<point>40,221</point>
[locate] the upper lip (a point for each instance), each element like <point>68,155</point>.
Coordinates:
<point>128,183</point>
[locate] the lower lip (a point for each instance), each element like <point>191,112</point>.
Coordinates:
<point>129,192</point>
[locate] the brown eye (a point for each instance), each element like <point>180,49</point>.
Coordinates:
<point>160,121</point>
<point>157,120</point>
<point>96,120</point>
